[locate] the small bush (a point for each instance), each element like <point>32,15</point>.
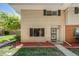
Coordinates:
<point>6,32</point>
<point>18,38</point>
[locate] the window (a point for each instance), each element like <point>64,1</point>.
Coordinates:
<point>76,31</point>
<point>76,10</point>
<point>49,13</point>
<point>31,32</point>
<point>36,32</point>
<point>52,13</point>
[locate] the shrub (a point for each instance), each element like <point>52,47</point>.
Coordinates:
<point>18,36</point>
<point>6,32</point>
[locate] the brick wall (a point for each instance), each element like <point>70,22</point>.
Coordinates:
<point>69,30</point>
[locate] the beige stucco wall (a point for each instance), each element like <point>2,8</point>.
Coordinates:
<point>71,17</point>
<point>36,19</point>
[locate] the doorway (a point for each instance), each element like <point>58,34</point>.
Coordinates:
<point>55,34</point>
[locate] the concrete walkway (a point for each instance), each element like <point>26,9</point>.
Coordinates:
<point>64,50</point>
<point>12,51</point>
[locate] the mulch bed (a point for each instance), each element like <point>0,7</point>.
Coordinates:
<point>74,45</point>
<point>35,44</point>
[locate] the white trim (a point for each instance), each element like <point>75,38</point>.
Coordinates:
<point>68,43</point>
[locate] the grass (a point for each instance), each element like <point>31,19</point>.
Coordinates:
<point>74,50</point>
<point>7,37</point>
<point>5,49</point>
<point>39,52</point>
<point>8,50</point>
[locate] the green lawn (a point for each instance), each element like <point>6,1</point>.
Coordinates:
<point>7,37</point>
<point>39,52</point>
<point>8,50</point>
<point>5,49</point>
<point>74,50</point>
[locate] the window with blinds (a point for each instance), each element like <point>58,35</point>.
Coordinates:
<point>37,32</point>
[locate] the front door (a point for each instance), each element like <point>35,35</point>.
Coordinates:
<point>53,34</point>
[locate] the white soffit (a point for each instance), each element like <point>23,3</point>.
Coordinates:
<point>75,5</point>
<point>40,6</point>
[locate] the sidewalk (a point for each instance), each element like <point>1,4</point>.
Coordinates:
<point>64,50</point>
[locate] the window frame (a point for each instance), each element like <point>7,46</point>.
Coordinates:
<point>39,33</point>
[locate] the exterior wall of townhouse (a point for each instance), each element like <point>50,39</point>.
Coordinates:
<point>72,21</point>
<point>36,19</point>
<point>69,33</point>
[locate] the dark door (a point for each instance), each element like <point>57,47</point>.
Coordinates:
<point>53,34</point>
